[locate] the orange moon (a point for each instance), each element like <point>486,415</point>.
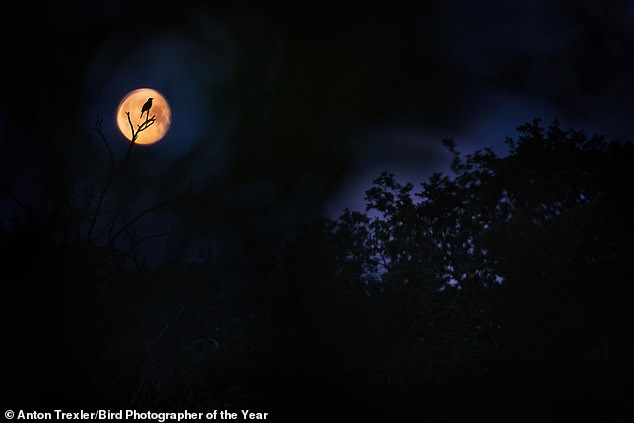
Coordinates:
<point>133,103</point>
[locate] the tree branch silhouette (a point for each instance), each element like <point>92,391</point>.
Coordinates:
<point>97,128</point>
<point>116,169</point>
<point>149,121</point>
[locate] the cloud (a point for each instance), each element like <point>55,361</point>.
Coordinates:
<point>575,58</point>
<point>278,117</point>
<point>412,152</point>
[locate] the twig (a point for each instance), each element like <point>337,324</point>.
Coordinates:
<point>99,131</point>
<point>139,217</point>
<point>149,121</point>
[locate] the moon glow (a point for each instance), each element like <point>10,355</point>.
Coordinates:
<point>132,103</point>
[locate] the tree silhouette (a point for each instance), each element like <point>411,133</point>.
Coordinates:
<point>85,217</point>
<point>116,169</point>
<point>71,261</point>
<point>496,293</point>
<point>510,273</point>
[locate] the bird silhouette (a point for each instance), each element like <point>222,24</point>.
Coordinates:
<point>146,107</point>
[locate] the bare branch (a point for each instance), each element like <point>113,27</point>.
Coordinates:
<point>115,170</point>
<point>98,130</point>
<point>139,217</point>
<point>119,211</point>
<point>97,211</point>
<point>149,121</point>
<point>132,140</point>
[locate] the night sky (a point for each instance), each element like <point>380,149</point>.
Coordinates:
<point>286,111</point>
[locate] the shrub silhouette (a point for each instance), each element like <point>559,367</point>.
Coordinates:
<point>509,274</point>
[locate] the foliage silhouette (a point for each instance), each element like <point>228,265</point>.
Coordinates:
<point>496,293</point>
<point>510,273</point>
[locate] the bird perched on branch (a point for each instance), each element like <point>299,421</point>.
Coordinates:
<point>146,107</point>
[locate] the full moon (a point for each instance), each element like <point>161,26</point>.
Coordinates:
<point>133,103</point>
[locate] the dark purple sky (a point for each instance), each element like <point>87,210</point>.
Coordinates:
<point>288,111</point>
